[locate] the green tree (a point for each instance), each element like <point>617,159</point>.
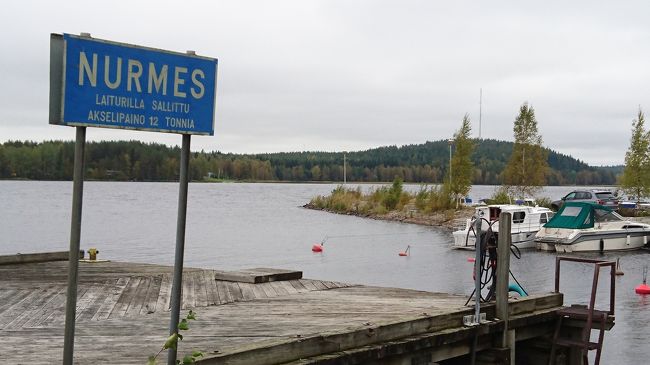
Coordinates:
<point>525,173</point>
<point>394,194</point>
<point>636,175</point>
<point>462,167</point>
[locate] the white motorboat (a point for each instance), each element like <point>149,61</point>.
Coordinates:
<point>526,221</point>
<point>632,202</point>
<point>581,226</point>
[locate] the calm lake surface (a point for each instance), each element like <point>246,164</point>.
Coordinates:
<point>234,226</point>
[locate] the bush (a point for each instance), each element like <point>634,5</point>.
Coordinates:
<point>342,199</point>
<point>432,199</point>
<point>379,210</point>
<point>384,199</point>
<point>319,201</point>
<point>422,198</point>
<point>393,195</point>
<point>544,202</point>
<point>441,198</point>
<point>500,196</point>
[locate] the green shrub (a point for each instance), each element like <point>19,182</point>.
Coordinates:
<point>500,196</point>
<point>543,202</point>
<point>422,198</point>
<point>319,201</point>
<point>394,194</point>
<point>404,199</point>
<point>379,210</point>
<point>441,199</point>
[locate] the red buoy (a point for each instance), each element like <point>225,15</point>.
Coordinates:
<point>317,247</point>
<point>642,289</point>
<point>405,252</point>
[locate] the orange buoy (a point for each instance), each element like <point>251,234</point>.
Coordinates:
<point>317,247</point>
<point>642,289</point>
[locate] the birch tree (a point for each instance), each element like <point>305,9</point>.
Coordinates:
<point>636,175</point>
<point>462,167</point>
<point>525,173</point>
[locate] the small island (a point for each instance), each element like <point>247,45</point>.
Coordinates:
<point>431,206</point>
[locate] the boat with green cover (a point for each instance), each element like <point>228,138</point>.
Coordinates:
<point>585,226</point>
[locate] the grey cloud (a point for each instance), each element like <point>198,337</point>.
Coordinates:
<point>335,75</point>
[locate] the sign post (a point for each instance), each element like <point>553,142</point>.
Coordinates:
<point>99,83</point>
<point>177,283</point>
<point>75,238</point>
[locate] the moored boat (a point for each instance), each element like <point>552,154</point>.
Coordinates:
<point>582,226</point>
<point>526,221</point>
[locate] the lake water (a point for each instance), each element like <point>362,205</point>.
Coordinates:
<point>234,226</point>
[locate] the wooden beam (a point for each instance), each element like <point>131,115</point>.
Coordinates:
<point>25,258</point>
<point>257,275</point>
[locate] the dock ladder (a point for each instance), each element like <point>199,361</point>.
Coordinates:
<point>587,314</point>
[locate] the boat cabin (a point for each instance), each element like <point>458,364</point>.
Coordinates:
<point>519,213</point>
<point>524,217</point>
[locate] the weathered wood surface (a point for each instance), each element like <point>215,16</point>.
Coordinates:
<point>258,275</point>
<point>123,314</point>
<point>36,257</point>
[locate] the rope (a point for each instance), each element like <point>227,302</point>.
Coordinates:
<point>489,260</point>
<point>370,235</point>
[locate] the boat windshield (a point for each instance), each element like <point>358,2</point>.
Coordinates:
<point>602,215</point>
<point>571,211</point>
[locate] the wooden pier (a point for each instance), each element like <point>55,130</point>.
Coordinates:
<point>259,317</point>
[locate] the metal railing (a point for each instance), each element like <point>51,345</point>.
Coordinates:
<point>598,264</point>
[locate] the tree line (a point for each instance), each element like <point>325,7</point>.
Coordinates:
<point>419,163</point>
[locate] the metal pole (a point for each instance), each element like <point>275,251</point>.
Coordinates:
<point>177,283</point>
<point>75,238</point>
<point>477,289</point>
<point>480,111</point>
<point>477,270</point>
<point>503,270</point>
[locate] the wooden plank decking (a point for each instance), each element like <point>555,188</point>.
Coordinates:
<point>123,314</point>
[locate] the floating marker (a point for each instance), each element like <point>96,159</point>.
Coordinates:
<point>643,288</point>
<point>405,252</point>
<point>317,247</point>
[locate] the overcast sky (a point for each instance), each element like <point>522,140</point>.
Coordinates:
<point>350,75</point>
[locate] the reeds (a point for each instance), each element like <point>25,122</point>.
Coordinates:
<point>385,199</point>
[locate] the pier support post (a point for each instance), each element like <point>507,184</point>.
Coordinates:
<point>477,269</point>
<point>177,282</point>
<point>507,339</point>
<point>477,284</point>
<point>75,238</point>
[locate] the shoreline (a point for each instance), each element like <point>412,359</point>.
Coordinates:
<point>449,220</point>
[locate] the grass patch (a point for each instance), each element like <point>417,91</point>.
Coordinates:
<point>385,199</point>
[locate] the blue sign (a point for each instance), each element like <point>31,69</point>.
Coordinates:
<point>114,85</point>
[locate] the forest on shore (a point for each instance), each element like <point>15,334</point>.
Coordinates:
<point>418,163</point>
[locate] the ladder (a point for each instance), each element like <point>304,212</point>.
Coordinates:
<point>588,315</point>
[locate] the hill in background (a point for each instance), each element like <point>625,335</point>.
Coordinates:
<point>428,162</point>
<point>134,160</point>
